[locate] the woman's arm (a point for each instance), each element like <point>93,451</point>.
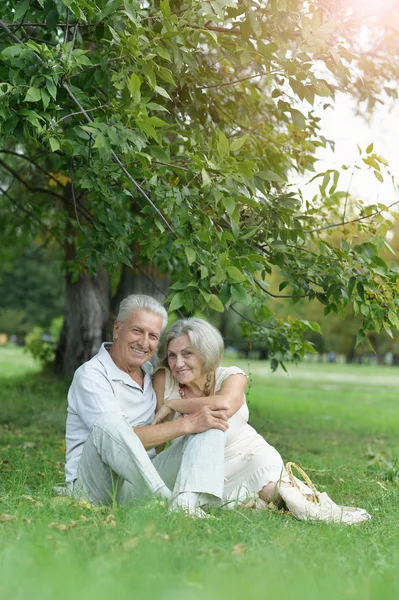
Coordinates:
<point>231,394</point>
<point>158,383</point>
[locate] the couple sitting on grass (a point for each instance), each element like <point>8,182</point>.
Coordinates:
<point>118,418</point>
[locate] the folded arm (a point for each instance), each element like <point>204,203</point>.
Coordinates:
<point>230,395</point>
<point>207,417</point>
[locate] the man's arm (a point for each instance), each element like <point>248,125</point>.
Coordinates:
<point>207,417</point>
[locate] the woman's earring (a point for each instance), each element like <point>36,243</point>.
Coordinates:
<point>207,387</point>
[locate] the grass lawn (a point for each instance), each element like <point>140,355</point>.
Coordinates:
<point>339,422</point>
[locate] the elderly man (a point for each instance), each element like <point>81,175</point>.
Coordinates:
<point>111,405</point>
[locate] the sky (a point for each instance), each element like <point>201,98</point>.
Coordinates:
<point>349,130</point>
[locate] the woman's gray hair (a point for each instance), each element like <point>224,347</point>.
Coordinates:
<point>206,342</point>
<point>141,302</point>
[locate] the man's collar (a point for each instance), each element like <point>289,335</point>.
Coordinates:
<point>114,372</point>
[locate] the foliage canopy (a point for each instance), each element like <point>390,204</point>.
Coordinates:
<point>168,132</point>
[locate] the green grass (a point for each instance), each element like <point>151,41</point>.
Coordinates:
<point>341,423</point>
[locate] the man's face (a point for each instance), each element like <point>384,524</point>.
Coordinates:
<point>136,340</point>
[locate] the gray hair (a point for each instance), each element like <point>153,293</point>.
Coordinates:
<point>206,341</point>
<point>141,302</point>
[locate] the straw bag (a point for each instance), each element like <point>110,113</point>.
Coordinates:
<point>314,496</point>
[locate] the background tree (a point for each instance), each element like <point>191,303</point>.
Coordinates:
<point>32,290</point>
<point>165,134</point>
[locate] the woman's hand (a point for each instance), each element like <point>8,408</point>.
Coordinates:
<point>164,412</point>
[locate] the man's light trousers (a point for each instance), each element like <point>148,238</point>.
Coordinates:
<point>115,465</point>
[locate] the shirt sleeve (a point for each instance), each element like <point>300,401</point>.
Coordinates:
<point>222,373</point>
<point>171,386</point>
<point>92,395</point>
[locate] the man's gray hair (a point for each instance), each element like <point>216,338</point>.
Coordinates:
<point>206,342</point>
<point>141,302</point>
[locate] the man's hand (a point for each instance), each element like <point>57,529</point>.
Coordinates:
<point>208,417</point>
<point>164,412</point>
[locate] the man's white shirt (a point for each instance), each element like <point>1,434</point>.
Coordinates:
<point>98,387</point>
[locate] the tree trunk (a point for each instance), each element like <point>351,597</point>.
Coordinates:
<point>148,279</point>
<point>85,320</point>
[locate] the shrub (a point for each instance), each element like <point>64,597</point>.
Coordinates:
<point>42,343</point>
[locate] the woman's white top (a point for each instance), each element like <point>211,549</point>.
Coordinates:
<point>250,462</point>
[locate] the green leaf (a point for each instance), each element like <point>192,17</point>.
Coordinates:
<point>268,176</point>
<point>148,129</point>
<point>45,98</point>
<point>12,51</point>
<point>54,144</point>
<point>206,180</point>
<point>52,19</point>
<point>21,9</point>
<point>165,8</point>
<point>222,145</point>
<point>351,285</point>
<point>239,294</point>
<point>33,95</point>
<point>5,88</point>
<point>393,318</point>
<point>359,337</point>
<point>298,118</point>
<point>365,310</point>
<point>155,106</point>
<point>159,154</point>
<point>166,75</point>
<point>369,148</point>
<point>255,25</point>
<point>177,302</point>
<point>162,92</point>
<point>378,176</point>
<point>204,271</point>
<point>99,141</point>
<point>150,74</point>
<point>134,85</point>
<point>215,303</point>
<point>156,122</point>
<point>238,143</point>
<point>190,253</point>
<point>387,329</point>
<point>51,88</point>
<point>229,204</point>
<point>235,274</point>
<point>163,53</point>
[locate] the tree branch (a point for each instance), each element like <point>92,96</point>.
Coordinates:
<point>27,185</point>
<point>30,213</point>
<point>27,158</point>
<point>171,165</point>
<point>229,30</point>
<point>121,165</point>
<point>45,25</point>
<point>74,114</point>
<point>99,65</point>
<point>241,126</point>
<point>10,34</point>
<point>343,223</point>
<point>218,85</point>
<point>258,283</point>
<point>41,190</point>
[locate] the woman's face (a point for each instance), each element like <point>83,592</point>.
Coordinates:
<point>185,366</point>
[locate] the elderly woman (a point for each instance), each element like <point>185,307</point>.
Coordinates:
<point>191,377</point>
